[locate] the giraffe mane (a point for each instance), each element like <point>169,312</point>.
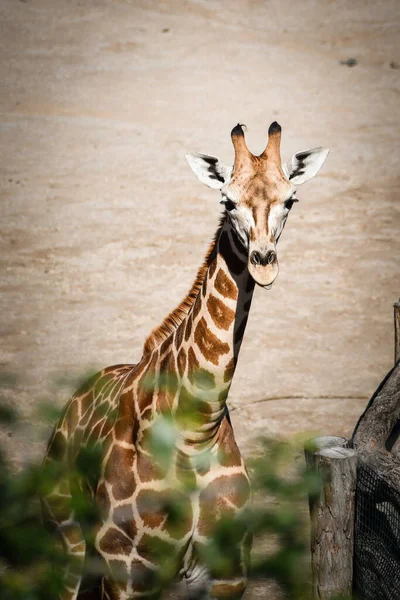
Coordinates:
<point>175,318</point>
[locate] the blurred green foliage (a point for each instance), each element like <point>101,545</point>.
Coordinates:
<point>32,560</point>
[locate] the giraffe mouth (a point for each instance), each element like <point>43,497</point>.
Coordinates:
<point>264,274</point>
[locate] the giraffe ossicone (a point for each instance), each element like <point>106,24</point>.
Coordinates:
<point>162,426</point>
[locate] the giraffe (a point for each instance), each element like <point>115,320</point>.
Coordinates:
<point>196,348</point>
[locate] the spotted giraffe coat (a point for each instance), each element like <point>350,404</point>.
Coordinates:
<point>184,375</point>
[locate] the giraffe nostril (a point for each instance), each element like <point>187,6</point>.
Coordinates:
<point>258,259</point>
<point>255,258</point>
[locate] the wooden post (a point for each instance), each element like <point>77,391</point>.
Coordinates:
<point>396,307</point>
<point>332,517</point>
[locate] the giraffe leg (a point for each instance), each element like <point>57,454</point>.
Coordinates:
<point>71,537</point>
<point>213,583</point>
<point>59,516</point>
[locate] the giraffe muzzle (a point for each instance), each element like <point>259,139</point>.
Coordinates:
<point>263,267</point>
<point>260,259</point>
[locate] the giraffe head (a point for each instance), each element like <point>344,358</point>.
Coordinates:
<point>258,193</point>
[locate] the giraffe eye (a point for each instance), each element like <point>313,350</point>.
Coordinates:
<point>289,203</point>
<point>229,204</point>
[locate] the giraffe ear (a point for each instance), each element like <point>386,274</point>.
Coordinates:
<point>304,165</point>
<point>209,170</point>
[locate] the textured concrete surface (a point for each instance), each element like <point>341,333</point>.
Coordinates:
<point>103,224</point>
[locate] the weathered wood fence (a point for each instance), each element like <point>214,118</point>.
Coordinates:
<point>375,446</point>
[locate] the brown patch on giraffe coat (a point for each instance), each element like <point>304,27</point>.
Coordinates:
<point>230,370</point>
<point>126,426</point>
<point>93,437</point>
<point>151,507</point>
<point>86,415</point>
<point>144,440</point>
<point>179,335</point>
<point>115,542</point>
<point>204,287</point>
<point>188,328</point>
<point>168,384</point>
<point>86,402</point>
<point>103,499</point>
<point>197,376</point>
<point>125,429</point>
<point>180,515</point>
<point>138,369</point>
<point>76,440</point>
<point>57,447</point>
<point>105,384</point>
<point>107,426</point>
<point>228,452</point>
<point>209,345</point>
<point>217,498</point>
<point>211,268</point>
<point>73,415</point>
<point>119,472</point>
<point>193,363</point>
<point>147,469</point>
<point>167,364</point>
<point>222,315</point>
<point>165,346</point>
<point>181,359</point>
<point>124,519</point>
<point>225,286</point>
<point>168,374</point>
<point>196,307</point>
<point>169,509</point>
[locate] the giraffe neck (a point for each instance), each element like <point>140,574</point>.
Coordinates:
<point>221,309</point>
<point>209,339</point>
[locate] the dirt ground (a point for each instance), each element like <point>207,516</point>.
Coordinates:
<point>103,225</point>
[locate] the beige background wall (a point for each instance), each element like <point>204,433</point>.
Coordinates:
<point>103,225</point>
